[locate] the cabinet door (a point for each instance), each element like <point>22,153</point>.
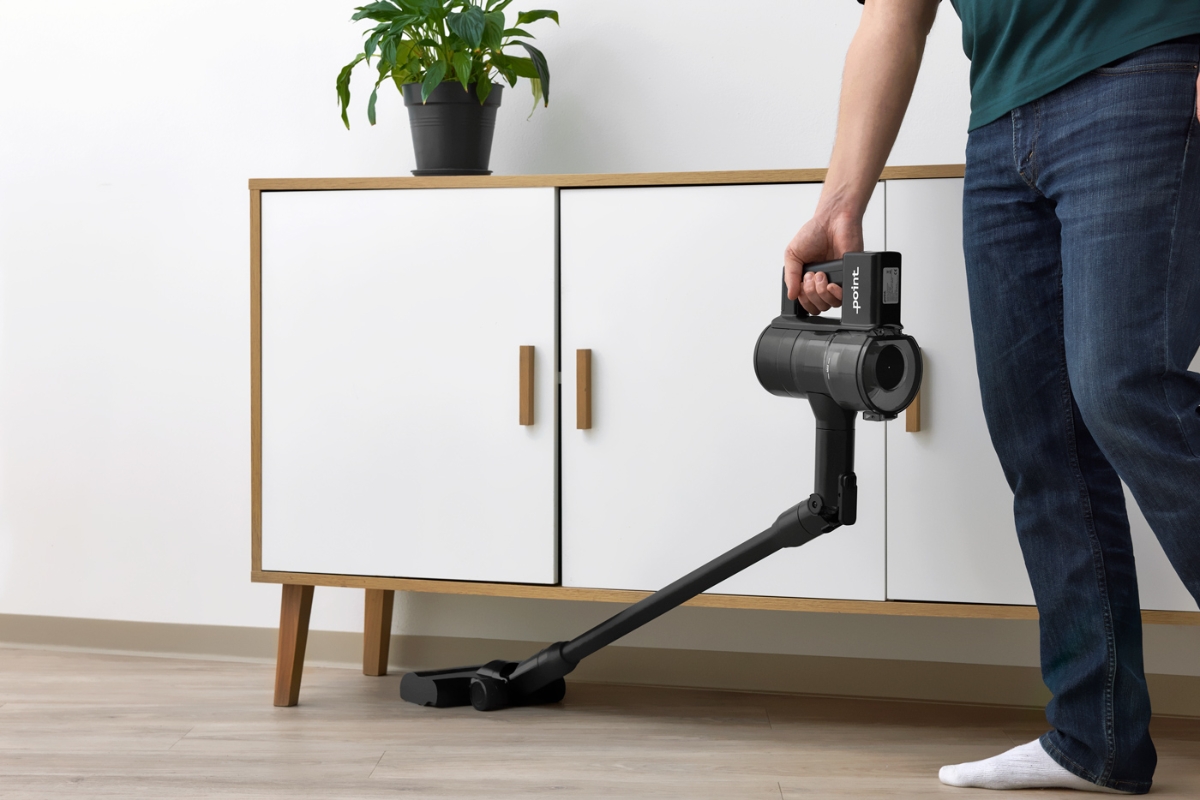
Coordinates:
<point>688,456</point>
<point>392,323</point>
<point>950,523</point>
<point>1159,587</point>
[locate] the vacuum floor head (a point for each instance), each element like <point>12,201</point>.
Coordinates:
<point>485,687</point>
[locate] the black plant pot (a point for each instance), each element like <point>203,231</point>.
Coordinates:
<point>451,131</point>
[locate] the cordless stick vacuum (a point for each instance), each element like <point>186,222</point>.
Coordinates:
<point>860,363</point>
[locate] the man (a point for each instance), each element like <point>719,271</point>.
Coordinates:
<point>1081,230</point>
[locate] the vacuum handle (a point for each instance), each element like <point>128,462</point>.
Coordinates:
<point>832,269</point>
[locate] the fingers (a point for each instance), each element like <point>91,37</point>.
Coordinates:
<point>793,275</point>
<point>818,294</point>
<point>817,240</point>
<point>809,301</point>
<point>793,282</point>
<point>829,292</point>
<point>811,243</point>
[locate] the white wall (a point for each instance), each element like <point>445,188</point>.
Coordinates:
<point>127,133</point>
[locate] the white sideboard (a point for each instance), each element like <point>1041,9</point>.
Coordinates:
<point>414,375</point>
<point>415,421</point>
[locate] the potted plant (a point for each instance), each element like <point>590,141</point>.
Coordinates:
<point>442,56</point>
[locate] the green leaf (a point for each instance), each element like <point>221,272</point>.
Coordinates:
<point>423,7</point>
<point>387,53</point>
<point>343,87</point>
<point>533,16</point>
<point>380,12</point>
<point>371,104</point>
<point>518,32</point>
<point>372,43</point>
<point>401,25</point>
<point>543,69</point>
<point>468,25</point>
<point>494,6</point>
<point>536,86</point>
<point>493,33</point>
<point>483,88</point>
<point>432,78</point>
<point>520,66</point>
<point>404,51</point>
<point>462,63</point>
<point>374,95</point>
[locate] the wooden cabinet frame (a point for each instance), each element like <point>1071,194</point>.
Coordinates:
<point>379,590</point>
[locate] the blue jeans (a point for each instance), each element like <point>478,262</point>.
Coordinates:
<point>1081,227</point>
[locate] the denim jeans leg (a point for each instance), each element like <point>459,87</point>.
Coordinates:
<point>1109,165</point>
<point>1067,500</point>
<point>1131,253</point>
<point>1121,163</point>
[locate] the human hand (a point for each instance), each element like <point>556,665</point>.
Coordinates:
<point>819,240</point>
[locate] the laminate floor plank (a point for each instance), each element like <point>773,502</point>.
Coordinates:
<point>78,725</point>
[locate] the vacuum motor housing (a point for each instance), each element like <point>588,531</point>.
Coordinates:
<point>863,361</point>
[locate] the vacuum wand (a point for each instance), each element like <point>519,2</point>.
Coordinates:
<point>861,363</point>
<point>798,525</point>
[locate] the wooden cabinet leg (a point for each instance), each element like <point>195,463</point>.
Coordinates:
<point>294,612</point>
<point>377,631</point>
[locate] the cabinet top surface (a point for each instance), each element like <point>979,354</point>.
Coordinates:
<point>595,181</point>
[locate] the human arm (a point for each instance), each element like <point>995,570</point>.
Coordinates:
<point>877,83</point>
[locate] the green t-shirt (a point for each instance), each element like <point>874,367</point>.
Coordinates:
<point>1021,50</point>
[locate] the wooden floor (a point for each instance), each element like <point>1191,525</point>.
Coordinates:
<point>82,725</point>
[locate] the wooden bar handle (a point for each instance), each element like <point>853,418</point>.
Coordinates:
<point>583,389</point>
<point>526,381</point>
<point>912,415</point>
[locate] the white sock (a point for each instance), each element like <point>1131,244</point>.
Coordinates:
<point>1025,767</point>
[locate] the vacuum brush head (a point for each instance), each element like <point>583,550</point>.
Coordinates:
<point>483,687</point>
